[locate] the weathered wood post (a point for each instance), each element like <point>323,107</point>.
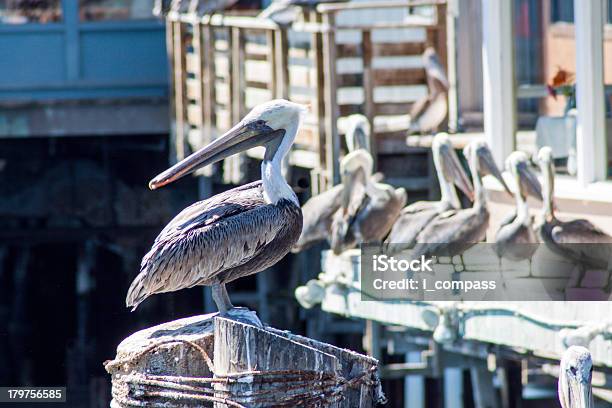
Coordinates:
<point>213,361</point>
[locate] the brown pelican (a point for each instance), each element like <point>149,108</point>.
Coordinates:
<point>575,374</point>
<point>319,210</point>
<point>233,234</point>
<point>285,12</point>
<point>570,239</point>
<point>455,231</point>
<point>416,216</point>
<point>428,113</point>
<point>515,240</point>
<point>368,209</point>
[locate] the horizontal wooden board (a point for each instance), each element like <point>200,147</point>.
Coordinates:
<point>192,86</point>
<point>194,115</point>
<point>403,76</point>
<point>192,62</point>
<point>260,71</point>
<point>381,49</point>
<point>301,76</point>
<point>392,108</point>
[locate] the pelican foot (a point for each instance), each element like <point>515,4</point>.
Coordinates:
<point>243,315</point>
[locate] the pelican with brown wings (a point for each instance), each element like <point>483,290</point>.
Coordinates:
<point>233,234</point>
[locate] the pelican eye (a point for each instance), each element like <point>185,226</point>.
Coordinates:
<point>573,370</point>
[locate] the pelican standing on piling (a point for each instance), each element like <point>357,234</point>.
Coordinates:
<point>575,376</point>
<point>233,234</point>
<point>568,238</point>
<point>515,239</point>
<point>416,216</point>
<point>455,231</point>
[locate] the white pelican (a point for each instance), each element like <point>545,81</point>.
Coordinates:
<point>516,240</point>
<point>416,216</point>
<point>233,234</point>
<point>368,209</point>
<point>579,240</point>
<point>455,231</point>
<point>319,210</point>
<point>428,113</point>
<point>575,375</point>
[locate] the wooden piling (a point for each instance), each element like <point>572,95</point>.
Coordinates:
<point>213,361</point>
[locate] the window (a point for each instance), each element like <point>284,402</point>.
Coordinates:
<point>30,11</point>
<point>563,10</point>
<point>109,10</point>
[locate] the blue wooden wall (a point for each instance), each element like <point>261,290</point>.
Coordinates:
<point>79,60</point>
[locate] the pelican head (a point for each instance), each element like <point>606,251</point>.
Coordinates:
<point>358,133</point>
<point>481,161</point>
<point>355,168</point>
<point>575,373</point>
<point>517,163</point>
<point>448,165</point>
<point>273,125</point>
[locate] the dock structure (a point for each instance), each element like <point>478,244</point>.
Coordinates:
<point>340,58</point>
<point>519,342</point>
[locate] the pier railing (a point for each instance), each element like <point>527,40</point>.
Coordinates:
<point>340,58</point>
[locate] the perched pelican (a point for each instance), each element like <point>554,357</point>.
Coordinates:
<point>428,113</point>
<point>455,231</point>
<point>575,374</point>
<point>515,238</point>
<point>416,216</point>
<point>368,209</point>
<point>233,234</point>
<point>570,239</point>
<point>319,210</point>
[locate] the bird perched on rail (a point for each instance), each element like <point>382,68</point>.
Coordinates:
<point>428,113</point>
<point>515,239</point>
<point>233,234</point>
<point>319,210</point>
<point>455,231</point>
<point>575,376</point>
<point>368,208</point>
<point>578,241</point>
<point>416,216</point>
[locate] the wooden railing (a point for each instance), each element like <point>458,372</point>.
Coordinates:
<point>223,65</point>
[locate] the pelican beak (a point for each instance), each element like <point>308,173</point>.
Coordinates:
<point>240,138</point>
<point>487,164</point>
<point>453,169</point>
<point>529,183</point>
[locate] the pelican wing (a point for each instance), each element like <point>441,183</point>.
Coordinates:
<point>579,231</point>
<point>206,239</point>
<point>408,226</point>
<point>456,229</point>
<point>318,215</point>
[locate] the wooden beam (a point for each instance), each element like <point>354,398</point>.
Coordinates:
<point>590,125</point>
<point>499,95</point>
<point>331,106</point>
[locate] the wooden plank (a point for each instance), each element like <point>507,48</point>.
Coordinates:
<point>194,116</point>
<point>208,60</point>
<point>192,89</point>
<point>238,80</point>
<point>191,59</point>
<point>258,71</point>
<point>179,88</point>
<point>319,101</point>
<point>271,58</point>
<point>281,46</point>
<point>382,49</point>
<point>392,108</point>
<point>332,143</point>
<point>172,99</point>
<point>368,87</point>
<point>401,76</point>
